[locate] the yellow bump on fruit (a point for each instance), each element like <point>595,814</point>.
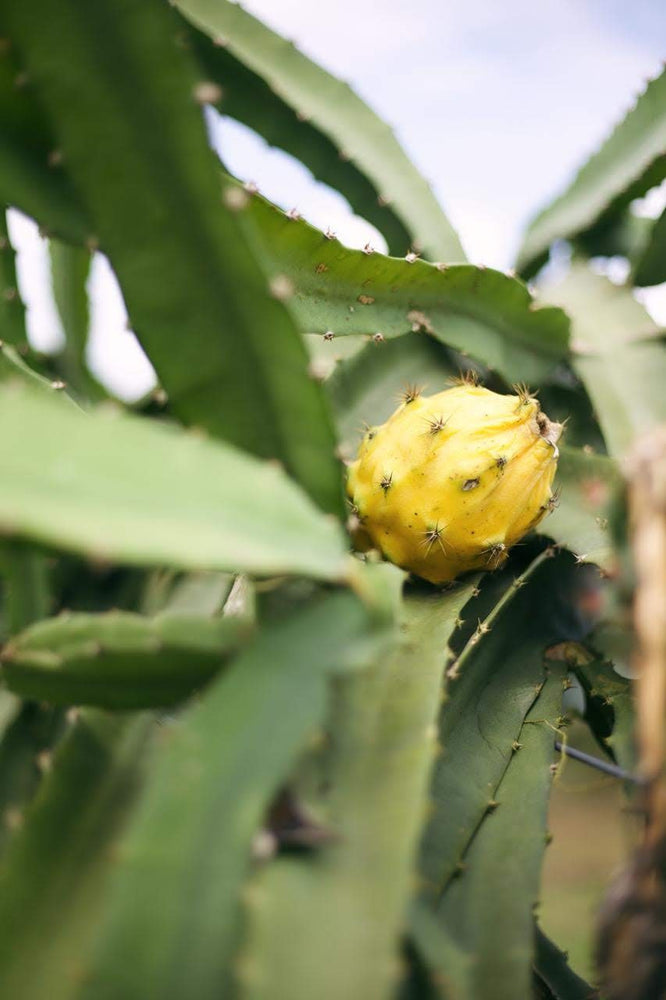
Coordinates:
<point>450,482</point>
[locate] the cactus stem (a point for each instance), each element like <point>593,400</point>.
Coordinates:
<point>281,287</point>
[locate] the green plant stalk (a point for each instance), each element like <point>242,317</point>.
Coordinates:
<point>627,165</point>
<point>649,266</point>
<point>488,909</point>
<point>26,588</point>
<point>70,270</point>
<point>550,965</point>
<point>295,104</point>
<point>31,174</point>
<point>14,368</point>
<point>491,687</point>
<point>616,352</point>
<point>217,769</point>
<point>224,346</point>
<point>118,488</point>
<point>119,660</point>
<point>52,882</point>
<point>12,310</point>
<point>25,749</point>
<point>346,904</point>
<point>579,522</point>
<point>478,311</point>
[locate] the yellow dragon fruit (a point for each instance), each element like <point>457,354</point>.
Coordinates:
<point>450,482</point>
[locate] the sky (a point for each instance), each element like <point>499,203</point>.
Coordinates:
<point>497,104</point>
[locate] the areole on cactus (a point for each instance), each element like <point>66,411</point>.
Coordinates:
<point>450,482</point>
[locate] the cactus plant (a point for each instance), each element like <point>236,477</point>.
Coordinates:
<point>238,758</point>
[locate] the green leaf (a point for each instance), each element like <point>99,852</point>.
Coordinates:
<point>610,702</point>
<point>70,269</point>
<point>563,398</point>
<point>25,574</point>
<point>295,104</point>
<point>189,845</point>
<point>622,235</point>
<point>552,968</point>
<point>223,344</point>
<point>650,265</point>
<point>488,909</point>
<point>346,904</point>
<point>616,353</point>
<point>119,660</point>
<point>629,163</point>
<point>120,488</point>
<point>491,687</point>
<point>588,483</point>
<point>13,367</point>
<point>12,310</point>
<point>446,961</point>
<point>365,389</point>
<point>24,748</point>
<point>51,885</point>
<point>31,174</point>
<point>478,311</point>
<point>199,593</point>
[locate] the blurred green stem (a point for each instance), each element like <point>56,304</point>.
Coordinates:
<point>26,589</point>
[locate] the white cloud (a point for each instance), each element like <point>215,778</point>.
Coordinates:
<point>33,272</point>
<point>497,104</point>
<point>114,354</point>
